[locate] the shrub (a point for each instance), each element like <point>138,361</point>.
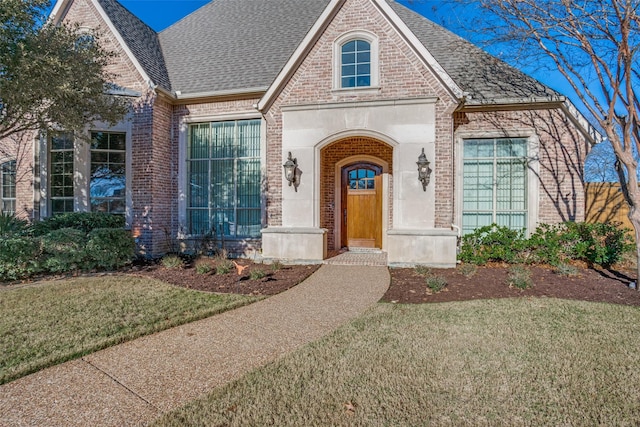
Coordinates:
<point>276,265</point>
<point>256,274</point>
<point>467,270</point>
<point>422,270</point>
<point>224,266</point>
<point>110,248</point>
<point>563,269</point>
<point>548,245</point>
<point>520,277</point>
<point>599,243</point>
<point>492,243</point>
<point>436,283</point>
<point>64,250</point>
<point>84,221</point>
<point>172,261</point>
<point>18,257</point>
<point>11,226</point>
<point>203,265</point>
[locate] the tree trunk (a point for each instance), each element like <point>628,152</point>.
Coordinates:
<point>634,217</point>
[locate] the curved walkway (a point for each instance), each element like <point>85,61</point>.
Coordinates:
<point>133,383</point>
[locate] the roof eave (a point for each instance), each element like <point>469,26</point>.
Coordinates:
<point>534,103</point>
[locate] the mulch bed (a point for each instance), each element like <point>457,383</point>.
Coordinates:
<point>274,281</point>
<point>590,284</point>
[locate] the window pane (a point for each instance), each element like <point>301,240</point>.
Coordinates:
<point>363,57</point>
<point>61,153</point>
<point>348,82</point>
<point>364,81</point>
<point>348,58</point>
<point>8,187</point>
<point>362,45</point>
<point>348,70</point>
<point>349,47</point>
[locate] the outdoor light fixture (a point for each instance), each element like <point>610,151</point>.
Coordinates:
<point>290,167</point>
<point>424,171</point>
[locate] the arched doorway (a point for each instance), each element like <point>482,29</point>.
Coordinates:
<point>361,195</point>
<point>339,158</point>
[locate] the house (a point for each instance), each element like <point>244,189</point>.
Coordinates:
<point>353,96</point>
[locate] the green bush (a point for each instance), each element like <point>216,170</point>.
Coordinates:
<point>599,243</point>
<point>18,257</point>
<point>520,277</point>
<point>436,283</point>
<point>11,226</point>
<point>172,261</point>
<point>224,266</point>
<point>64,250</point>
<point>84,221</point>
<point>110,248</point>
<point>492,243</point>
<point>257,274</point>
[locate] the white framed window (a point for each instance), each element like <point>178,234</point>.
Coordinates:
<point>224,178</point>
<point>8,187</point>
<point>61,172</point>
<point>355,64</point>
<point>107,182</point>
<point>495,177</point>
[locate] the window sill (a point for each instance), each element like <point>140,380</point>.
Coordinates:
<point>356,90</point>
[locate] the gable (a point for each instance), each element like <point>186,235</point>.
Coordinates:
<point>401,72</point>
<point>89,13</point>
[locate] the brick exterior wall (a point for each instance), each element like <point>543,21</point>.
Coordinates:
<point>329,157</point>
<point>562,150</point>
<point>402,76</point>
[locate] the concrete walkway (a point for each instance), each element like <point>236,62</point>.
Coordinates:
<point>135,382</point>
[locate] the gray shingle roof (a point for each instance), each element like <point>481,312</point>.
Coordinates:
<point>141,40</point>
<point>236,44</point>
<point>484,77</point>
<point>229,45</point>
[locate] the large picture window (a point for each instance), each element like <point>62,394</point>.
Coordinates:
<point>108,179</point>
<point>495,183</point>
<point>223,168</point>
<point>61,173</point>
<point>8,187</point>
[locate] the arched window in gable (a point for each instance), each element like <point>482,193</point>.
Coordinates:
<point>355,61</point>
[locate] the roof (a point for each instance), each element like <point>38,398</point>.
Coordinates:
<point>236,44</point>
<point>484,77</point>
<point>242,45</point>
<point>141,39</point>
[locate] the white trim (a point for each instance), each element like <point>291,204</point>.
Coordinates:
<point>360,104</point>
<point>533,170</point>
<point>374,55</point>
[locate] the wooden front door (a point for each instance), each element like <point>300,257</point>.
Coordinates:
<point>362,206</point>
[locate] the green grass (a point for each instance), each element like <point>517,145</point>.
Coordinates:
<point>57,321</point>
<point>499,362</point>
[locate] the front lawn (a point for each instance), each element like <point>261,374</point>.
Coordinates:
<point>52,322</point>
<point>525,361</point>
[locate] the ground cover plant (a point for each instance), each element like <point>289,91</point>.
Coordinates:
<point>50,322</point>
<point>492,362</point>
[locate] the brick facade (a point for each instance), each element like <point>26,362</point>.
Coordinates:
<point>159,124</point>
<point>329,157</point>
<point>561,153</point>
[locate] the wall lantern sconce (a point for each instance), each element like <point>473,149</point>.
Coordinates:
<point>290,167</point>
<point>424,172</point>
